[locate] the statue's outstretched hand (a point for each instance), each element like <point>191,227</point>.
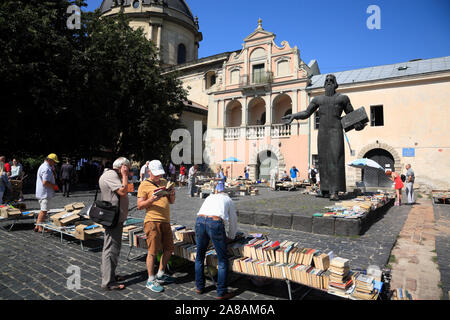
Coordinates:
<point>288,119</point>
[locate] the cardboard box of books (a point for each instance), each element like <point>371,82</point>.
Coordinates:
<point>8,212</point>
<point>86,232</point>
<point>74,206</point>
<point>65,218</point>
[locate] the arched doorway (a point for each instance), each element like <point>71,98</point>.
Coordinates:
<point>375,177</point>
<point>267,160</point>
<point>257,111</point>
<point>281,105</point>
<point>234,114</point>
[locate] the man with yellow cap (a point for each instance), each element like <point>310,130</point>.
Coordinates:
<point>45,187</point>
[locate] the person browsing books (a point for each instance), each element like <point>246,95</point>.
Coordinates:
<point>210,225</point>
<point>155,195</point>
<point>220,180</point>
<point>113,186</point>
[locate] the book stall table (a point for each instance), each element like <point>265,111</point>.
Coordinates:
<point>257,256</point>
<point>85,229</point>
<point>441,196</point>
<point>69,231</point>
<point>12,214</point>
<point>285,185</point>
<point>292,263</point>
<point>15,219</point>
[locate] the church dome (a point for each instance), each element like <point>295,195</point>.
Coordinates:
<point>179,5</point>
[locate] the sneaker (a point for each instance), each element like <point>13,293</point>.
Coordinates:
<point>165,279</point>
<point>155,286</point>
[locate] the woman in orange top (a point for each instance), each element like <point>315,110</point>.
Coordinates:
<point>394,176</point>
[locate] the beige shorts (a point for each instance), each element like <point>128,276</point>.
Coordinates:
<point>159,237</point>
<point>45,204</point>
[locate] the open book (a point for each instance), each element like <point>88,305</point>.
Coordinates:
<point>164,191</point>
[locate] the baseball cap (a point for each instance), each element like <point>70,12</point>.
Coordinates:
<point>53,157</point>
<point>156,167</point>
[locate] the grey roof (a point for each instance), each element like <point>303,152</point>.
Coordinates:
<point>385,72</point>
<point>179,5</point>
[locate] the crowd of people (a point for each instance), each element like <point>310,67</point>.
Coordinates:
<point>216,210</point>
<point>113,184</point>
<point>9,171</point>
<point>403,181</point>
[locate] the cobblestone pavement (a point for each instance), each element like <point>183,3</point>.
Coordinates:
<point>442,216</point>
<point>35,266</point>
<point>414,264</point>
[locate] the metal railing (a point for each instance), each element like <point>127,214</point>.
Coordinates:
<point>257,79</point>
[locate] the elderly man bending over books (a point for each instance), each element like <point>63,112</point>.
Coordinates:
<point>210,225</point>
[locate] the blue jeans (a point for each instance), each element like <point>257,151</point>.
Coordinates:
<point>206,229</point>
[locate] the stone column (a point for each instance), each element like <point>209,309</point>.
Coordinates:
<point>150,33</point>
<point>244,117</point>
<point>159,36</point>
<point>268,100</point>
<point>294,124</point>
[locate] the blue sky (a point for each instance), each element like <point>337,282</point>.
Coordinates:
<point>334,33</point>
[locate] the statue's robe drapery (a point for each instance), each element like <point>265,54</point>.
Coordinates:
<point>330,140</point>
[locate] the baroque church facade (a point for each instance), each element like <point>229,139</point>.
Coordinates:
<point>240,97</point>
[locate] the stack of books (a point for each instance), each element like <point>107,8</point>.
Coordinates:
<point>185,250</point>
<point>364,288</point>
<point>322,261</point>
<point>139,240</point>
<point>340,280</point>
<point>185,235</point>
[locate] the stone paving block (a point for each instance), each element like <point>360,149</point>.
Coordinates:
<point>282,220</point>
<point>347,227</point>
<point>263,219</point>
<point>323,225</point>
<point>246,217</point>
<point>302,222</point>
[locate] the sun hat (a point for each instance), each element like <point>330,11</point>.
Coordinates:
<point>156,168</point>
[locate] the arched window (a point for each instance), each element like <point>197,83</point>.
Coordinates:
<point>181,54</point>
<point>283,68</point>
<point>234,76</point>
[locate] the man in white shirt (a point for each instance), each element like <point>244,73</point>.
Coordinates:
<point>45,187</point>
<point>210,225</point>
<point>144,171</point>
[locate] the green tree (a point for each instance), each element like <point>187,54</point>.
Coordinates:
<point>78,91</point>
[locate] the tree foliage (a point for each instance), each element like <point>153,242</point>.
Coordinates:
<point>78,92</point>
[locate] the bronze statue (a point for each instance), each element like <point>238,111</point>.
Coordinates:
<point>330,140</point>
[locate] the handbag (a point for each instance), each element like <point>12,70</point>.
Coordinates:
<point>104,213</point>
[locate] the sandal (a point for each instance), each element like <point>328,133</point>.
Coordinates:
<point>116,287</point>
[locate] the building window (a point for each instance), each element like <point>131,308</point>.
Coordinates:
<point>283,68</point>
<point>181,54</point>
<point>234,76</point>
<point>136,4</point>
<point>210,79</point>
<point>316,120</point>
<point>258,73</point>
<point>376,116</point>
